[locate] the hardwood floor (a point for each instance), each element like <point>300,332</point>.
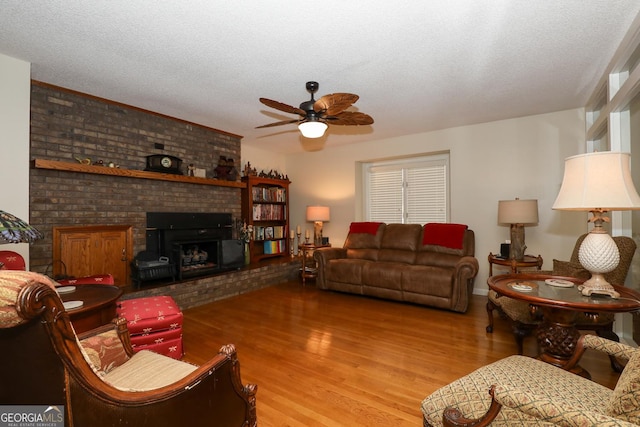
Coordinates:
<point>329,359</point>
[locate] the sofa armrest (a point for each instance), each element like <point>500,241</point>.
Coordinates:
<point>322,256</point>
<point>465,271</point>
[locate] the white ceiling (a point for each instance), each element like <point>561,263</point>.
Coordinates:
<point>418,65</point>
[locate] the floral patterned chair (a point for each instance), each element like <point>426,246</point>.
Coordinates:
<point>522,391</point>
<point>96,379</point>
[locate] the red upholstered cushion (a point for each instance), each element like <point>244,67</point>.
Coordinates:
<point>12,260</point>
<point>150,314</point>
<point>98,279</point>
<point>364,227</point>
<point>447,235</point>
<point>172,348</point>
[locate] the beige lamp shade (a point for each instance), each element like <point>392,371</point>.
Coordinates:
<point>597,181</point>
<point>318,213</point>
<point>517,211</point>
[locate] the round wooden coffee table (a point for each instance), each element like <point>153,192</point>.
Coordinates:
<point>560,302</point>
<point>98,305</point>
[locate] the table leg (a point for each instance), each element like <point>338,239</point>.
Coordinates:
<point>558,337</point>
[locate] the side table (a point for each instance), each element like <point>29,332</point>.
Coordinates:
<point>309,270</point>
<point>98,305</point>
<point>527,262</point>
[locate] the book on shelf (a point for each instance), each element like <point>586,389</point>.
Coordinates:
<point>275,246</point>
<point>269,194</point>
<point>269,213</point>
<point>268,233</point>
<point>258,232</point>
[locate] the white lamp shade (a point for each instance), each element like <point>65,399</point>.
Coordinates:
<point>312,129</point>
<point>598,181</point>
<point>518,211</point>
<point>318,213</point>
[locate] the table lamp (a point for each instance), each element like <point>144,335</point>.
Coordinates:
<point>318,214</point>
<point>517,213</point>
<point>598,183</point>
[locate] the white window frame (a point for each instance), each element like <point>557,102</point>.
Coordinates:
<point>407,168</point>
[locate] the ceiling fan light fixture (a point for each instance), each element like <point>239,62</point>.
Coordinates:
<point>312,129</point>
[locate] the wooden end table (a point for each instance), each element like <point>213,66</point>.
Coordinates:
<point>98,308</point>
<point>527,262</point>
<point>309,271</point>
<point>557,334</point>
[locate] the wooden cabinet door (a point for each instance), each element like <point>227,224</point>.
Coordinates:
<point>112,256</point>
<point>89,250</point>
<point>75,254</point>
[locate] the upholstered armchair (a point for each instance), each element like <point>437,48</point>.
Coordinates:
<point>96,379</point>
<point>524,322</point>
<point>522,391</point>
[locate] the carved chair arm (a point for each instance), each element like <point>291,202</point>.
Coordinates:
<point>594,342</point>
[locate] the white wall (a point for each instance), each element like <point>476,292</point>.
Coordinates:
<point>15,93</point>
<point>521,157</point>
<point>262,160</point>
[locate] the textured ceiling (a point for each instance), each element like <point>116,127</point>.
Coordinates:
<point>417,65</point>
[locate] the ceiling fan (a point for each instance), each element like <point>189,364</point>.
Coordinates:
<point>315,115</point>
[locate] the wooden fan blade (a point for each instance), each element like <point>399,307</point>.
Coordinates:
<point>350,118</point>
<point>283,122</point>
<point>282,107</point>
<point>334,103</point>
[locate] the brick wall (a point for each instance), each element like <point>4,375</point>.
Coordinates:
<point>66,125</point>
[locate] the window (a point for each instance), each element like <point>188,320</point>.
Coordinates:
<point>408,191</point>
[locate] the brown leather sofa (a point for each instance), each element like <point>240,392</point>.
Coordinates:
<point>432,265</point>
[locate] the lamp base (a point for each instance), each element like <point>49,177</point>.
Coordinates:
<point>317,233</point>
<point>598,285</point>
<point>517,248</point>
<point>599,255</point>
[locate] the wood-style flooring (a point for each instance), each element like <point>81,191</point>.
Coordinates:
<point>321,358</point>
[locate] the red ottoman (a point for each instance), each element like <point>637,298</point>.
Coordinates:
<point>155,323</point>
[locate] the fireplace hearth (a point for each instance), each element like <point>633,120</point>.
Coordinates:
<point>197,244</point>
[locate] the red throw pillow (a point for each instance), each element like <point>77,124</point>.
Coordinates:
<point>447,235</point>
<point>364,227</point>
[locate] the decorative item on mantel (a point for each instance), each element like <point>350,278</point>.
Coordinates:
<point>226,169</point>
<point>249,171</point>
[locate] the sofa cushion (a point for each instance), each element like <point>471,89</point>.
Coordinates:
<point>383,274</point>
<point>365,240</point>
<point>401,236</point>
<point>438,285</point>
<point>366,254</point>
<point>345,270</point>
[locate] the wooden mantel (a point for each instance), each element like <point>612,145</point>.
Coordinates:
<point>130,173</point>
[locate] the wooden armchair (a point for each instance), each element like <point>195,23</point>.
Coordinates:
<point>522,319</point>
<point>101,382</point>
<point>522,391</point>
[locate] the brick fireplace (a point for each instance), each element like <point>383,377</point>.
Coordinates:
<point>67,126</point>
